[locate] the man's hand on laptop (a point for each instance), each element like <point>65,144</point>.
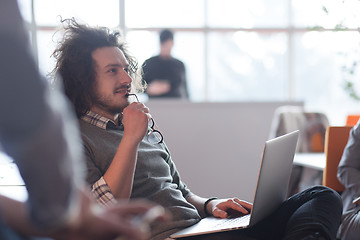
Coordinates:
<point>223,208</point>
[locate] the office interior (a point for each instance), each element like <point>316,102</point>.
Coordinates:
<point>244,59</point>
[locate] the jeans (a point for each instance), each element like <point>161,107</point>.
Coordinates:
<point>316,209</point>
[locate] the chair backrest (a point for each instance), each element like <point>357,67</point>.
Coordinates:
<point>336,139</point>
<point>312,126</point>
<point>351,120</point>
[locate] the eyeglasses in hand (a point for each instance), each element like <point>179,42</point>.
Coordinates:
<point>153,136</point>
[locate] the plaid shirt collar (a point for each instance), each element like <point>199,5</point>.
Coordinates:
<point>98,120</point>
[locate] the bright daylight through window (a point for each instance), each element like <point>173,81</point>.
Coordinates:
<point>260,50</point>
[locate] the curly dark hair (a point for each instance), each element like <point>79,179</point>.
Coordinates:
<point>75,67</point>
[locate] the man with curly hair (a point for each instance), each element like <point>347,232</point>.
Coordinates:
<point>126,160</point>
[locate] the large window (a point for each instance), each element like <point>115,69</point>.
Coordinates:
<point>234,50</point>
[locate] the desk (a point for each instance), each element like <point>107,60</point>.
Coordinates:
<point>313,165</point>
<point>315,161</point>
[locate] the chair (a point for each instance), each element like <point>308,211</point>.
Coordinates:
<point>336,139</point>
<point>312,126</point>
<point>351,120</point>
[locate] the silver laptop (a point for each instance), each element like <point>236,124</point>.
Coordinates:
<point>271,189</point>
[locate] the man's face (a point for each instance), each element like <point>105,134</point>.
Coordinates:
<point>113,82</point>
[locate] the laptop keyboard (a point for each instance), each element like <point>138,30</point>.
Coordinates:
<point>234,222</point>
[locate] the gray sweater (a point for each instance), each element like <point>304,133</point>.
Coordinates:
<point>156,177</point>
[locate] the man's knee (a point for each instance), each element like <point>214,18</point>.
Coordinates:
<point>326,193</point>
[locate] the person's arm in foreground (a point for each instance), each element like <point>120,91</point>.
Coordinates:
<point>36,131</point>
<point>92,223</point>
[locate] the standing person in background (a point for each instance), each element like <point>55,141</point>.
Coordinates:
<point>349,176</point>
<point>164,74</point>
<point>40,133</point>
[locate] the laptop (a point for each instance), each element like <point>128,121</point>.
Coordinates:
<point>271,189</point>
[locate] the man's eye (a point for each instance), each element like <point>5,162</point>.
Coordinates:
<point>126,70</point>
<point>112,70</point>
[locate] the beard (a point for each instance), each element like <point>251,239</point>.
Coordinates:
<point>108,104</point>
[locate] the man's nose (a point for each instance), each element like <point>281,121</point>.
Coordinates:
<point>124,77</point>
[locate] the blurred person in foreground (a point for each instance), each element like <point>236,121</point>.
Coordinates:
<point>40,133</point>
<point>349,176</point>
<point>128,159</point>
<point>164,74</point>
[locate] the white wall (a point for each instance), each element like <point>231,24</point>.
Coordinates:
<point>216,146</point>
